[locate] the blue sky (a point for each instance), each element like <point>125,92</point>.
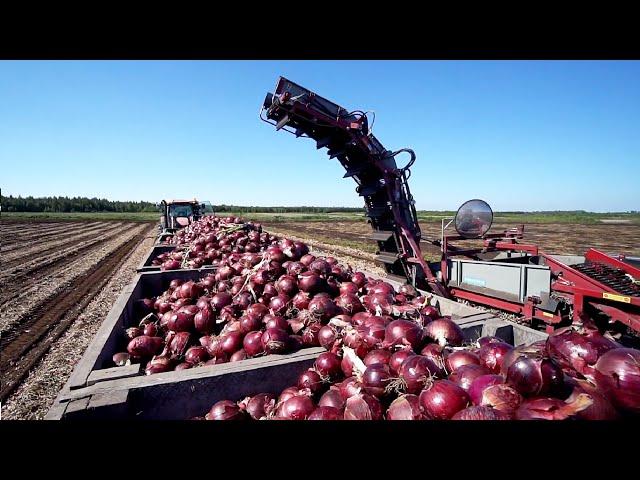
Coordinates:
<point>523,135</point>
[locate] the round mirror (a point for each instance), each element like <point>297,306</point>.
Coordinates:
<point>473,219</point>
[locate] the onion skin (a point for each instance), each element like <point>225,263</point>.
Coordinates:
<point>405,407</point>
<point>617,376</point>
<point>600,409</point>
<point>476,412</point>
<point>442,400</point>
<point>552,408</point>
<point>501,397</point>
<point>362,407</point>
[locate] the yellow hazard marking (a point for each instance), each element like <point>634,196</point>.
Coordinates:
<point>617,298</point>
<point>550,315</point>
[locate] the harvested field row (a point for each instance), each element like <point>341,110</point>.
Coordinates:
<point>42,247</point>
<point>34,395</point>
<point>42,266</point>
<point>49,282</point>
<point>25,343</point>
<point>37,236</point>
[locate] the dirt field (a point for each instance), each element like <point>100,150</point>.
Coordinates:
<point>50,272</point>
<point>561,238</point>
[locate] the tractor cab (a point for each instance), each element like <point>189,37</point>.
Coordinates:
<point>177,214</point>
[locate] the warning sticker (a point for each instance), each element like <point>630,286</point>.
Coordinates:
<point>617,298</point>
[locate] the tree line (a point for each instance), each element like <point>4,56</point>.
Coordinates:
<point>72,204</point>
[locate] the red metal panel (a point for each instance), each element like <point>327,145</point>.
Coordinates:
<point>597,256</point>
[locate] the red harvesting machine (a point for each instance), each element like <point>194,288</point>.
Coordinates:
<point>496,271</point>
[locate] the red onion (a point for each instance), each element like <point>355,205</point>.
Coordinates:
<point>225,410</point>
<point>327,337</point>
<point>430,312</point>
<point>492,354</point>
<point>617,376</point>
<point>402,332</point>
<point>250,323</point>
<point>416,372</point>
<point>377,356</point>
<point>332,398</point>
<point>144,346</point>
<point>349,303</point>
<point>260,405</point>
<point>298,407</point>
<point>275,340</point>
<point>442,400</point>
<point>258,310</point>
<point>405,407</point>
<point>301,300</point>
<point>307,259</point>
<point>220,300</point>
<point>252,343</point>
<point>479,384</point>
<point>349,387</point>
<point>362,407</point>
<point>278,304</point>
<point>328,365</point>
<point>204,320</point>
<point>322,307</point>
<point>196,355</point>
<point>179,343</point>
<point>348,287</point>
<point>237,356</point>
<point>310,282</point>
<point>182,366</point>
<point>479,412</point>
<point>312,380</point>
<point>325,413</point>
<point>466,374</point>
<point>455,360</point>
<point>359,279</point>
<point>231,342</point>
<point>578,351</point>
<point>159,364</point>
<point>532,374</point>
<point>310,335</point>
<point>445,332</point>
<point>287,285</point>
<point>397,359</point>
<point>375,379</point>
<point>150,330</point>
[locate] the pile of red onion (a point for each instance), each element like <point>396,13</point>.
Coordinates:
<point>412,364</point>
<point>206,241</point>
